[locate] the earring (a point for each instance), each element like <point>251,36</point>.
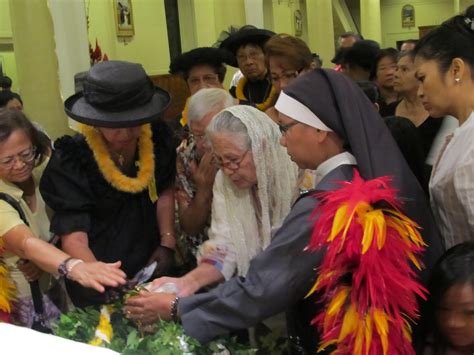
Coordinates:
<point>457,80</point>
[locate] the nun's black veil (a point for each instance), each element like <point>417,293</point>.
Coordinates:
<point>344,108</point>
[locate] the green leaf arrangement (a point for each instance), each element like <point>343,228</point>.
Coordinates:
<point>128,339</point>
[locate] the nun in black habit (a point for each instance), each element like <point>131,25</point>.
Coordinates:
<point>329,125</point>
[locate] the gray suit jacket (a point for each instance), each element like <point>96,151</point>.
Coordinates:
<point>278,278</point>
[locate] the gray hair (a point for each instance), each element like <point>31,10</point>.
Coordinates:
<point>206,101</point>
<point>226,122</point>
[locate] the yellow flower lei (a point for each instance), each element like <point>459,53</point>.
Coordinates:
<point>7,287</point>
<point>184,114</point>
<point>239,92</point>
<point>146,174</point>
<point>104,331</point>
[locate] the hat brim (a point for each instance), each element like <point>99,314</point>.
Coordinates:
<point>201,56</point>
<point>257,36</point>
<point>81,111</point>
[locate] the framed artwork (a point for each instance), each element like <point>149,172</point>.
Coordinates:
<point>408,16</point>
<point>124,18</point>
<point>298,23</point>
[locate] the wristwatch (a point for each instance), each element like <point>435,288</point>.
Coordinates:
<point>62,268</point>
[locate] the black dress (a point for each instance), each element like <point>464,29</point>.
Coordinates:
<point>120,225</point>
<point>427,130</point>
<point>386,110</point>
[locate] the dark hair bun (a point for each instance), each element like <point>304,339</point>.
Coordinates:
<point>453,39</point>
<point>469,18</point>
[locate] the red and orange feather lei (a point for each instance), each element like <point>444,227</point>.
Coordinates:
<point>375,248</point>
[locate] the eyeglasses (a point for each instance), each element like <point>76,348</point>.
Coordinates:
<point>197,137</point>
<point>233,165</point>
<point>210,79</point>
<point>26,156</point>
<point>285,127</point>
<point>285,76</point>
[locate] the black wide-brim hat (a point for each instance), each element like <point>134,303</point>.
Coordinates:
<point>117,94</point>
<point>200,56</point>
<point>245,36</point>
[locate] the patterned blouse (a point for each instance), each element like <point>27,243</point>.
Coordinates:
<point>188,244</point>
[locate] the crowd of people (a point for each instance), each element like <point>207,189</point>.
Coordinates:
<point>233,200</point>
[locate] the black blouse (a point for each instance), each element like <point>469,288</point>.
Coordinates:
<point>427,130</point>
<point>255,91</point>
<point>120,225</point>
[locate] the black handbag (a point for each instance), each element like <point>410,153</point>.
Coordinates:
<point>39,319</point>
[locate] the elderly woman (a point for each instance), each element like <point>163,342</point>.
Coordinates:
<point>24,247</point>
<point>196,172</point>
<point>410,106</point>
<point>317,132</point>
<point>254,86</point>
<point>252,193</point>
<point>112,186</point>
<point>201,68</point>
<point>445,69</point>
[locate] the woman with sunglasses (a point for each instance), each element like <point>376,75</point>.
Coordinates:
<point>24,250</point>
<point>252,193</point>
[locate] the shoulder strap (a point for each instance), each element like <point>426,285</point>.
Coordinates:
<point>34,285</point>
<point>14,203</point>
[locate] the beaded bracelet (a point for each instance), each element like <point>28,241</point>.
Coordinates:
<point>72,264</point>
<point>174,310</point>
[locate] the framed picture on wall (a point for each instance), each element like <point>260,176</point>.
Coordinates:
<point>124,18</point>
<point>298,23</point>
<point>408,16</point>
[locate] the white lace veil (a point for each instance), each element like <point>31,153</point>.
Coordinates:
<point>234,213</point>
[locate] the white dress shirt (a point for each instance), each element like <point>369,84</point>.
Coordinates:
<point>452,186</point>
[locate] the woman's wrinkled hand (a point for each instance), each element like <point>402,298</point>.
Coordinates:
<point>29,270</point>
<point>149,307</point>
<point>98,275</point>
<point>204,174</point>
<point>186,285</point>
